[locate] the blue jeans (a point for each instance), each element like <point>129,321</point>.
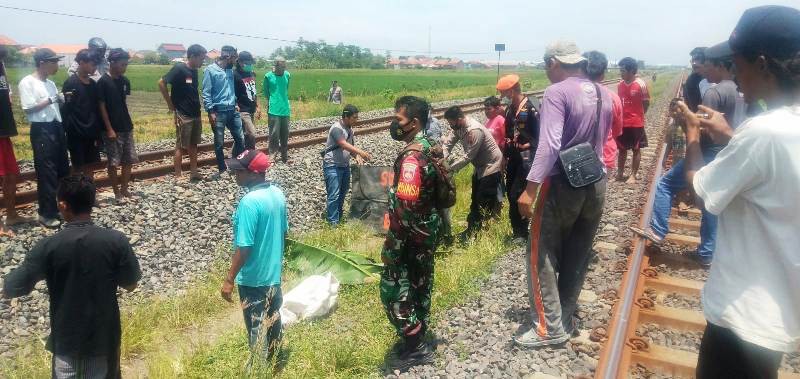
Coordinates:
<point>337,183</point>
<point>231,120</point>
<point>261,308</point>
<point>668,186</point>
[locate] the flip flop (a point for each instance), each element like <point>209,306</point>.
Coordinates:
<point>647,234</point>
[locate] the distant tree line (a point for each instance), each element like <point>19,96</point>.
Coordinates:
<point>309,54</point>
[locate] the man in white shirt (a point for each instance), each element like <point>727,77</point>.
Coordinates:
<point>752,297</point>
<point>40,99</point>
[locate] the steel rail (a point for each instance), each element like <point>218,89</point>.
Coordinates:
<point>612,363</point>
<point>29,196</point>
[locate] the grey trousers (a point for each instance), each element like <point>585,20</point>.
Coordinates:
<point>279,136</point>
<point>564,223</point>
<point>249,128</point>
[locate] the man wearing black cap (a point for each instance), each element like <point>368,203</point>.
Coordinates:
<point>97,47</point>
<point>184,103</point>
<point>81,118</point>
<point>260,224</point>
<point>247,97</point>
<point>114,89</point>
<point>750,299</point>
<point>40,99</point>
<point>219,100</point>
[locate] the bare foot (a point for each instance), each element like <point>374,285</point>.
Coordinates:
<point>631,180</point>
<point>5,232</point>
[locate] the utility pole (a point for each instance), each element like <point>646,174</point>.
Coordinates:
<point>498,47</point>
<point>429,41</point>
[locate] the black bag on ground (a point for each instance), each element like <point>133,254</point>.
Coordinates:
<point>580,163</point>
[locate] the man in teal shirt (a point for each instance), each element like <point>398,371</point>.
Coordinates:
<point>276,92</point>
<point>259,234</point>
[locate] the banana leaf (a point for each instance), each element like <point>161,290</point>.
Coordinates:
<point>347,267</point>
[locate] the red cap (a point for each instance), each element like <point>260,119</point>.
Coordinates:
<point>251,160</point>
<point>507,82</point>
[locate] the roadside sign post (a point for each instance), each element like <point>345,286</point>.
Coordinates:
<point>498,47</point>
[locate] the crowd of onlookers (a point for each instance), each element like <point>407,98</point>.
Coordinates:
<point>550,159</point>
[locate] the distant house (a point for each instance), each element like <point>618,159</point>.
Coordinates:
<point>172,50</point>
<point>212,55</point>
<point>421,61</point>
<point>476,65</point>
<point>7,41</point>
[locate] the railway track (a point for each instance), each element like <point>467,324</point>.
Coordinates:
<point>642,309</point>
<point>154,164</point>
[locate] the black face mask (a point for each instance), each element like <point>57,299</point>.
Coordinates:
<point>396,131</point>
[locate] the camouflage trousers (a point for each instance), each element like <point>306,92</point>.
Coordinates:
<point>406,285</point>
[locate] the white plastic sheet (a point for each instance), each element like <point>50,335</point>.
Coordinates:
<point>315,296</point>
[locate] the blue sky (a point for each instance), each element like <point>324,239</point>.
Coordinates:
<point>655,31</point>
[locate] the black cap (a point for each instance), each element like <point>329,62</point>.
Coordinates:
<point>118,55</point>
<point>772,30</point>
<point>227,51</point>
<point>45,54</point>
<point>721,50</point>
<point>85,55</point>
<point>245,57</point>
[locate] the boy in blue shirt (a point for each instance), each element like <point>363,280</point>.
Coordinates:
<point>259,233</point>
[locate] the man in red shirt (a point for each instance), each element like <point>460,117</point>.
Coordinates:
<point>635,101</point>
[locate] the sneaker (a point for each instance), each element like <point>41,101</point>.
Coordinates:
<point>49,222</point>
<point>703,261</point>
<point>647,234</point>
<point>533,339</point>
<point>405,360</point>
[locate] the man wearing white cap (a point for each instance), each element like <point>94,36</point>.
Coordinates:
<point>575,120</point>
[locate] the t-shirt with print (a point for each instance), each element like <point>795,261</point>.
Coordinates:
<point>80,110</point>
<point>335,156</point>
<point>184,93</point>
<point>8,128</point>
<point>261,223</point>
<point>633,96</point>
<point>277,89</point>
<point>721,97</point>
<point>245,88</point>
<point>113,93</point>
<point>752,185</point>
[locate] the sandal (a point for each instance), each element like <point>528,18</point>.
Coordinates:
<point>647,234</point>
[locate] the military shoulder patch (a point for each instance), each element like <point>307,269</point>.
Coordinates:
<point>408,185</point>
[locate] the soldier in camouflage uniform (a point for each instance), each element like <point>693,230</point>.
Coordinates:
<point>414,225</point>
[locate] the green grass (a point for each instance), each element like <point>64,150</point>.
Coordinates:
<point>354,340</point>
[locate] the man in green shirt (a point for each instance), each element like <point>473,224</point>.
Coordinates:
<point>276,92</point>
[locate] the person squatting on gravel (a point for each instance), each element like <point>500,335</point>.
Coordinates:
<point>184,104</point>
<point>723,97</point>
<point>260,224</point>
<point>576,114</point>
<point>219,101</point>
<point>751,297</point>
<point>635,101</point>
<point>81,115</point>
<point>247,97</point>
<point>83,265</point>
<point>113,90</point>
<point>39,99</point>
<point>336,162</point>
<point>97,47</point>
<point>276,96</point>
<point>9,169</point>
<point>522,136</point>
<point>481,150</point>
<point>414,227</point>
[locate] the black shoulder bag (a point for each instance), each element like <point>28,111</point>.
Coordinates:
<point>580,163</point>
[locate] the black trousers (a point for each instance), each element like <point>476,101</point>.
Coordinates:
<point>516,181</point>
<point>50,161</point>
<point>485,203</point>
<point>724,355</point>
